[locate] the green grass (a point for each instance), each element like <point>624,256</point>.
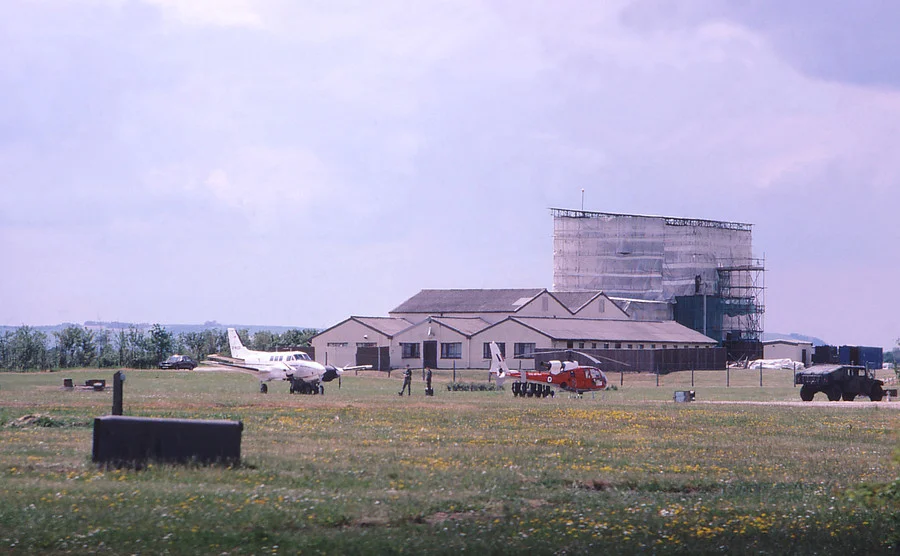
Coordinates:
<point>363,471</point>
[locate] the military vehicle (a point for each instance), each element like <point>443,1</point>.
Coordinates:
<point>839,382</point>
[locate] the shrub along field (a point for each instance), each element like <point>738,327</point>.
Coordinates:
<point>362,471</point>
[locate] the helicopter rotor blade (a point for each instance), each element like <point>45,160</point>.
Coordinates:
<point>593,358</point>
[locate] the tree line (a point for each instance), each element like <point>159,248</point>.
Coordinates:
<point>27,348</point>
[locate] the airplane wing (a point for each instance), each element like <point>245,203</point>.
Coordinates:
<point>356,368</point>
<point>274,371</point>
<point>221,359</point>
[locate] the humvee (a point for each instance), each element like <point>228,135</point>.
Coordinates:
<point>839,382</point>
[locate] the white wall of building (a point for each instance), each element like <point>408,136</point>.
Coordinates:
<point>430,331</point>
<point>509,333</point>
<point>795,351</point>
<point>337,346</point>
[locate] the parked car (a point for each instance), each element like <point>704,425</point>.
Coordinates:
<point>178,362</point>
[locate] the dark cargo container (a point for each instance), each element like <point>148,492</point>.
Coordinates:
<point>869,357</point>
<point>825,355</point>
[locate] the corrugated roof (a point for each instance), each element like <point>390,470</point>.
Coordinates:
<point>615,330</point>
<point>389,326</point>
<point>786,341</point>
<point>467,301</point>
<point>465,325</point>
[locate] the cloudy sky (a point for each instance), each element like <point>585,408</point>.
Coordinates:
<point>295,162</point>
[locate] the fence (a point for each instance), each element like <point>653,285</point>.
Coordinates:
<point>659,361</point>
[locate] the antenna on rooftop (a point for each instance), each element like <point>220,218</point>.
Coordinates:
<point>582,198</point>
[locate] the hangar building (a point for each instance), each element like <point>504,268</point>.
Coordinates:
<point>700,272</point>
<point>443,329</point>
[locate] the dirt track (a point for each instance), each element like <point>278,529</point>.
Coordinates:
<point>861,404</point>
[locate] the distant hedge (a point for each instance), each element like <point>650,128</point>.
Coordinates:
<point>472,387</point>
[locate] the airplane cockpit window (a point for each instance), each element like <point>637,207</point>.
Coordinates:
<point>302,356</point>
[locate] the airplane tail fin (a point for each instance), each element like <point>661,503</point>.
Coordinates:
<point>234,342</point>
<point>498,364</point>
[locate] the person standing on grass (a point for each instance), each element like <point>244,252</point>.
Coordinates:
<point>407,382</point>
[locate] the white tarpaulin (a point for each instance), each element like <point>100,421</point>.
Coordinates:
<point>776,364</point>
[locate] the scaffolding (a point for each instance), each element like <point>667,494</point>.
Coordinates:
<point>741,285</point>
<point>704,269</point>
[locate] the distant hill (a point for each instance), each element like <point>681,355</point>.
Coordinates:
<point>769,336</point>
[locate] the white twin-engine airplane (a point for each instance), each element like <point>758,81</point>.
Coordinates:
<point>305,375</point>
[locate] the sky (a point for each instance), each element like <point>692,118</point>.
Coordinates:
<point>293,163</point>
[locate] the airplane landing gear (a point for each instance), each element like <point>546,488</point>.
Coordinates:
<point>300,387</point>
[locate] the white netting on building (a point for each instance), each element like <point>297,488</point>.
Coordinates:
<point>645,257</point>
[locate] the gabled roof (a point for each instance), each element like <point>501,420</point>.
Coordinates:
<point>435,302</point>
<point>573,301</point>
<point>614,330</point>
<point>389,326</point>
<point>467,326</point>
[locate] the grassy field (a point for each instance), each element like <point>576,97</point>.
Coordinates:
<point>363,471</point>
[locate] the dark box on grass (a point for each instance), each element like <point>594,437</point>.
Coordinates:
<point>137,440</point>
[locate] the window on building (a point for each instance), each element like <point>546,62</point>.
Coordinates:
<point>451,350</point>
<point>365,344</point>
<point>337,344</point>
<point>580,345</point>
<point>409,350</point>
<point>652,346</point>
<point>640,346</point>
<point>593,345</point>
<point>570,344</point>
<point>523,350</point>
<point>630,346</point>
<point>618,345</point>
<point>487,349</point>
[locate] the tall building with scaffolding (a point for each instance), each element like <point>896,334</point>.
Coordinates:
<point>702,271</point>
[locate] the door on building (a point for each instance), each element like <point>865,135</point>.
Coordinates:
<point>429,354</point>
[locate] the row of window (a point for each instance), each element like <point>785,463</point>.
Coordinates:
<point>523,350</point>
<point>301,356</point>
<point>453,350</point>
<point>620,345</point>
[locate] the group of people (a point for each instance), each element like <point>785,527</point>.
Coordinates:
<point>407,381</point>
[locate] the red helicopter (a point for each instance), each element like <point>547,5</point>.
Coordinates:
<point>570,376</point>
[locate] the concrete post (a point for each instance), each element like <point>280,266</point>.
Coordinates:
<point>118,381</point>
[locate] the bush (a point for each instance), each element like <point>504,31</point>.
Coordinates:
<point>472,387</point>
